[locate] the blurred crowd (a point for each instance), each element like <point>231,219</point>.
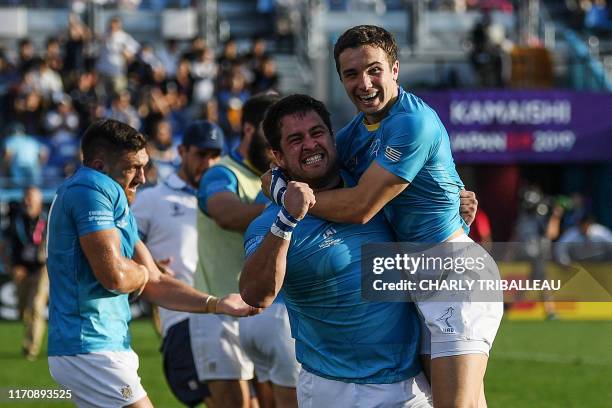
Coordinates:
<point>49,96</point>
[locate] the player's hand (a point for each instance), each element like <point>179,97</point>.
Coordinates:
<point>164,266</point>
<point>468,205</point>
<point>233,305</point>
<point>299,198</point>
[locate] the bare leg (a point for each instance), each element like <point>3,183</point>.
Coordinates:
<point>456,381</point>
<point>265,394</point>
<point>230,393</point>
<point>426,363</point>
<point>285,397</point>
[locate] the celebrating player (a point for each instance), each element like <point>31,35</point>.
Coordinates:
<point>95,260</point>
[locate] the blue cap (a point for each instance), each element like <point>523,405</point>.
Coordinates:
<point>204,135</point>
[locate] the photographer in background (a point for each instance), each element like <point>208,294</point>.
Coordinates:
<point>27,233</point>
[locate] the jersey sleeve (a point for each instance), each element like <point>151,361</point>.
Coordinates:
<point>216,180</point>
<point>142,211</point>
<point>257,230</point>
<point>90,209</point>
<point>409,140</point>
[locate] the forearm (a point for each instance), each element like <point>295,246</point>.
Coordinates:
<point>345,205</point>
<point>170,293</point>
<point>264,271</point>
<point>127,278</point>
<point>144,257</point>
<point>237,216</point>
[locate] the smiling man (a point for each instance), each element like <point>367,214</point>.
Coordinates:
<point>353,352</point>
<point>399,150</point>
<point>95,260</point>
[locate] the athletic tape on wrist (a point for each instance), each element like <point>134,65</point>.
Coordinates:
<point>278,186</point>
<point>284,224</point>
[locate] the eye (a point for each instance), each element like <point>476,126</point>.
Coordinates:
<point>375,70</point>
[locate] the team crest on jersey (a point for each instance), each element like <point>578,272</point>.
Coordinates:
<point>126,392</point>
<point>328,238</point>
<point>448,328</point>
<point>374,147</point>
<point>392,154</point>
<point>177,210</point>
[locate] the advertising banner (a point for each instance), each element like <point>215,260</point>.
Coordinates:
<point>507,126</point>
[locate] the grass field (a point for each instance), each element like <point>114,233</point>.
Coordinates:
<point>533,364</point>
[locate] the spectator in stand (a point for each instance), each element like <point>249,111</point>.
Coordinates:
<point>231,98</point>
<point>197,44</point>
<point>24,156</point>
<point>27,234</point>
<point>29,110</point>
<point>204,70</point>
<point>122,110</point>
<point>118,48</point>
<point>77,40</point>
<point>62,125</point>
<point>162,151</point>
<point>53,55</point>
<point>48,81</point>
<point>25,59</point>
<point>597,18</point>
<point>85,99</point>
<point>229,57</point>
<point>148,67</point>
<point>169,57</point>
<point>266,78</point>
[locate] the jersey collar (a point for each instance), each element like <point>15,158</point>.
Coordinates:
<point>176,183</point>
<point>374,126</point>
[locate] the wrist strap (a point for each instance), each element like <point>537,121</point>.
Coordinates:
<point>210,304</point>
<point>284,224</point>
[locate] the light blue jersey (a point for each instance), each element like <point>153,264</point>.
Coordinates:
<point>412,143</point>
<point>83,316</point>
<point>337,334</point>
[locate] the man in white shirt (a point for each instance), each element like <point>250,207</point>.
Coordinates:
<point>585,241</point>
<point>166,216</point>
<point>116,51</point>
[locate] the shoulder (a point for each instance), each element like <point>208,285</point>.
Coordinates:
<point>219,172</point>
<point>415,124</point>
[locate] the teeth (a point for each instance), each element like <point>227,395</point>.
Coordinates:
<point>369,96</point>
<point>313,159</point>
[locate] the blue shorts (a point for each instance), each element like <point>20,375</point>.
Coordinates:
<point>179,367</point>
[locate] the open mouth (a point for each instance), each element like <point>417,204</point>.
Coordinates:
<point>312,160</point>
<point>368,97</point>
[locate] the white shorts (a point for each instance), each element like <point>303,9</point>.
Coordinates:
<point>100,379</point>
<point>217,353</point>
<point>314,391</point>
<point>266,338</point>
<point>455,328</point>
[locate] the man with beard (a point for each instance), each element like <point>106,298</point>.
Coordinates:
<point>95,260</point>
<point>353,352</point>
<point>166,216</point>
<point>224,348</point>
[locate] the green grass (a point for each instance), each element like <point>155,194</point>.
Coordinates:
<point>533,364</point>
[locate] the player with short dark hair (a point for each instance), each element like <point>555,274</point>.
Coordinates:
<point>95,259</point>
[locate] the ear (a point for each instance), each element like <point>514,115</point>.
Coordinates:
<point>182,150</point>
<point>248,130</point>
<point>98,164</point>
<point>278,158</point>
<point>395,70</point>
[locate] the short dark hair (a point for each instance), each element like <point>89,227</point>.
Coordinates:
<point>291,105</point>
<point>255,108</point>
<point>366,35</point>
<point>110,138</point>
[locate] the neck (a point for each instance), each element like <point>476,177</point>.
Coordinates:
<point>381,114</point>
<point>243,149</point>
<point>182,174</point>
<point>330,182</point>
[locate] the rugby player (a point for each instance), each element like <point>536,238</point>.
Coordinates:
<point>398,149</point>
<point>227,349</point>
<point>95,259</point>
<point>353,352</point>
<point>166,217</point>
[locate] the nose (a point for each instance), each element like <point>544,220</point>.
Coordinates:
<point>140,177</point>
<point>309,143</point>
<point>364,81</point>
